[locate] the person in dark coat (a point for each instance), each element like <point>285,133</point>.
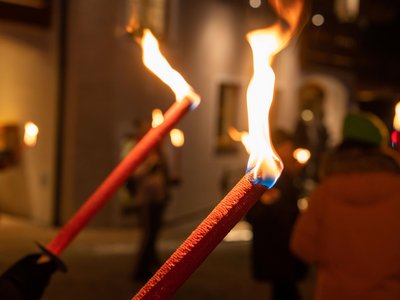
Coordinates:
<point>272,219</point>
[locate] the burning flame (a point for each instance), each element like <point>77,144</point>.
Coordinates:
<point>156,62</point>
<point>177,137</point>
<point>157,117</point>
<point>396,121</point>
<point>31,133</point>
<point>264,163</point>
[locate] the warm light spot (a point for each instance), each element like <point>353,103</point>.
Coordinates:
<point>156,62</point>
<point>302,155</point>
<point>318,20</point>
<point>302,204</point>
<point>157,117</point>
<point>240,136</point>
<point>129,29</point>
<point>396,121</point>
<point>30,134</point>
<point>307,115</point>
<point>177,137</point>
<point>255,3</point>
<point>235,134</point>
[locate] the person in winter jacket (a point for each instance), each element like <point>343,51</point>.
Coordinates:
<point>350,231</point>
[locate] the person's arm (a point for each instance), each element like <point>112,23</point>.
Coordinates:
<point>306,233</point>
<point>26,279</point>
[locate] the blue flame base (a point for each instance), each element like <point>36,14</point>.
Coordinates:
<point>269,182</point>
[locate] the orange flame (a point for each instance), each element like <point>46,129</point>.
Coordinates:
<point>157,63</point>
<point>396,121</point>
<point>265,43</point>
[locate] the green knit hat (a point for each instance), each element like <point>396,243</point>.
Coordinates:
<point>365,127</point>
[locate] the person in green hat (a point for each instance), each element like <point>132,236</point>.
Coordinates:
<point>350,230</point>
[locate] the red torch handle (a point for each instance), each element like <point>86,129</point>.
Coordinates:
<point>188,257</point>
<point>117,177</point>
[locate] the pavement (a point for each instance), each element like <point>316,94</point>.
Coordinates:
<point>100,261</point>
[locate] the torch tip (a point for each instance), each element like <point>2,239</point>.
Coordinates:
<point>194,99</point>
<point>268,181</point>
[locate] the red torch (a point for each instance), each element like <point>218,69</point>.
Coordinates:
<point>186,99</point>
<point>263,169</point>
<point>396,129</point>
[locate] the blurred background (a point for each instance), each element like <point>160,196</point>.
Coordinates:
<point>71,69</point>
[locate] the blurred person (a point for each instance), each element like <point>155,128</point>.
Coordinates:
<point>350,231</point>
<point>27,279</point>
<point>272,219</point>
<point>148,187</point>
<point>311,132</point>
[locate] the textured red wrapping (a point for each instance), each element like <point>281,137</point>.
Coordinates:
<point>117,177</point>
<point>188,257</point>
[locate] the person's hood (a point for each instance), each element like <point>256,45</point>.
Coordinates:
<point>359,160</point>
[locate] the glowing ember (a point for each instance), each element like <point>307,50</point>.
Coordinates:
<point>177,137</point>
<point>302,204</point>
<point>302,155</point>
<point>157,117</point>
<point>156,62</point>
<point>396,121</point>
<point>31,133</point>
<point>264,163</point>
